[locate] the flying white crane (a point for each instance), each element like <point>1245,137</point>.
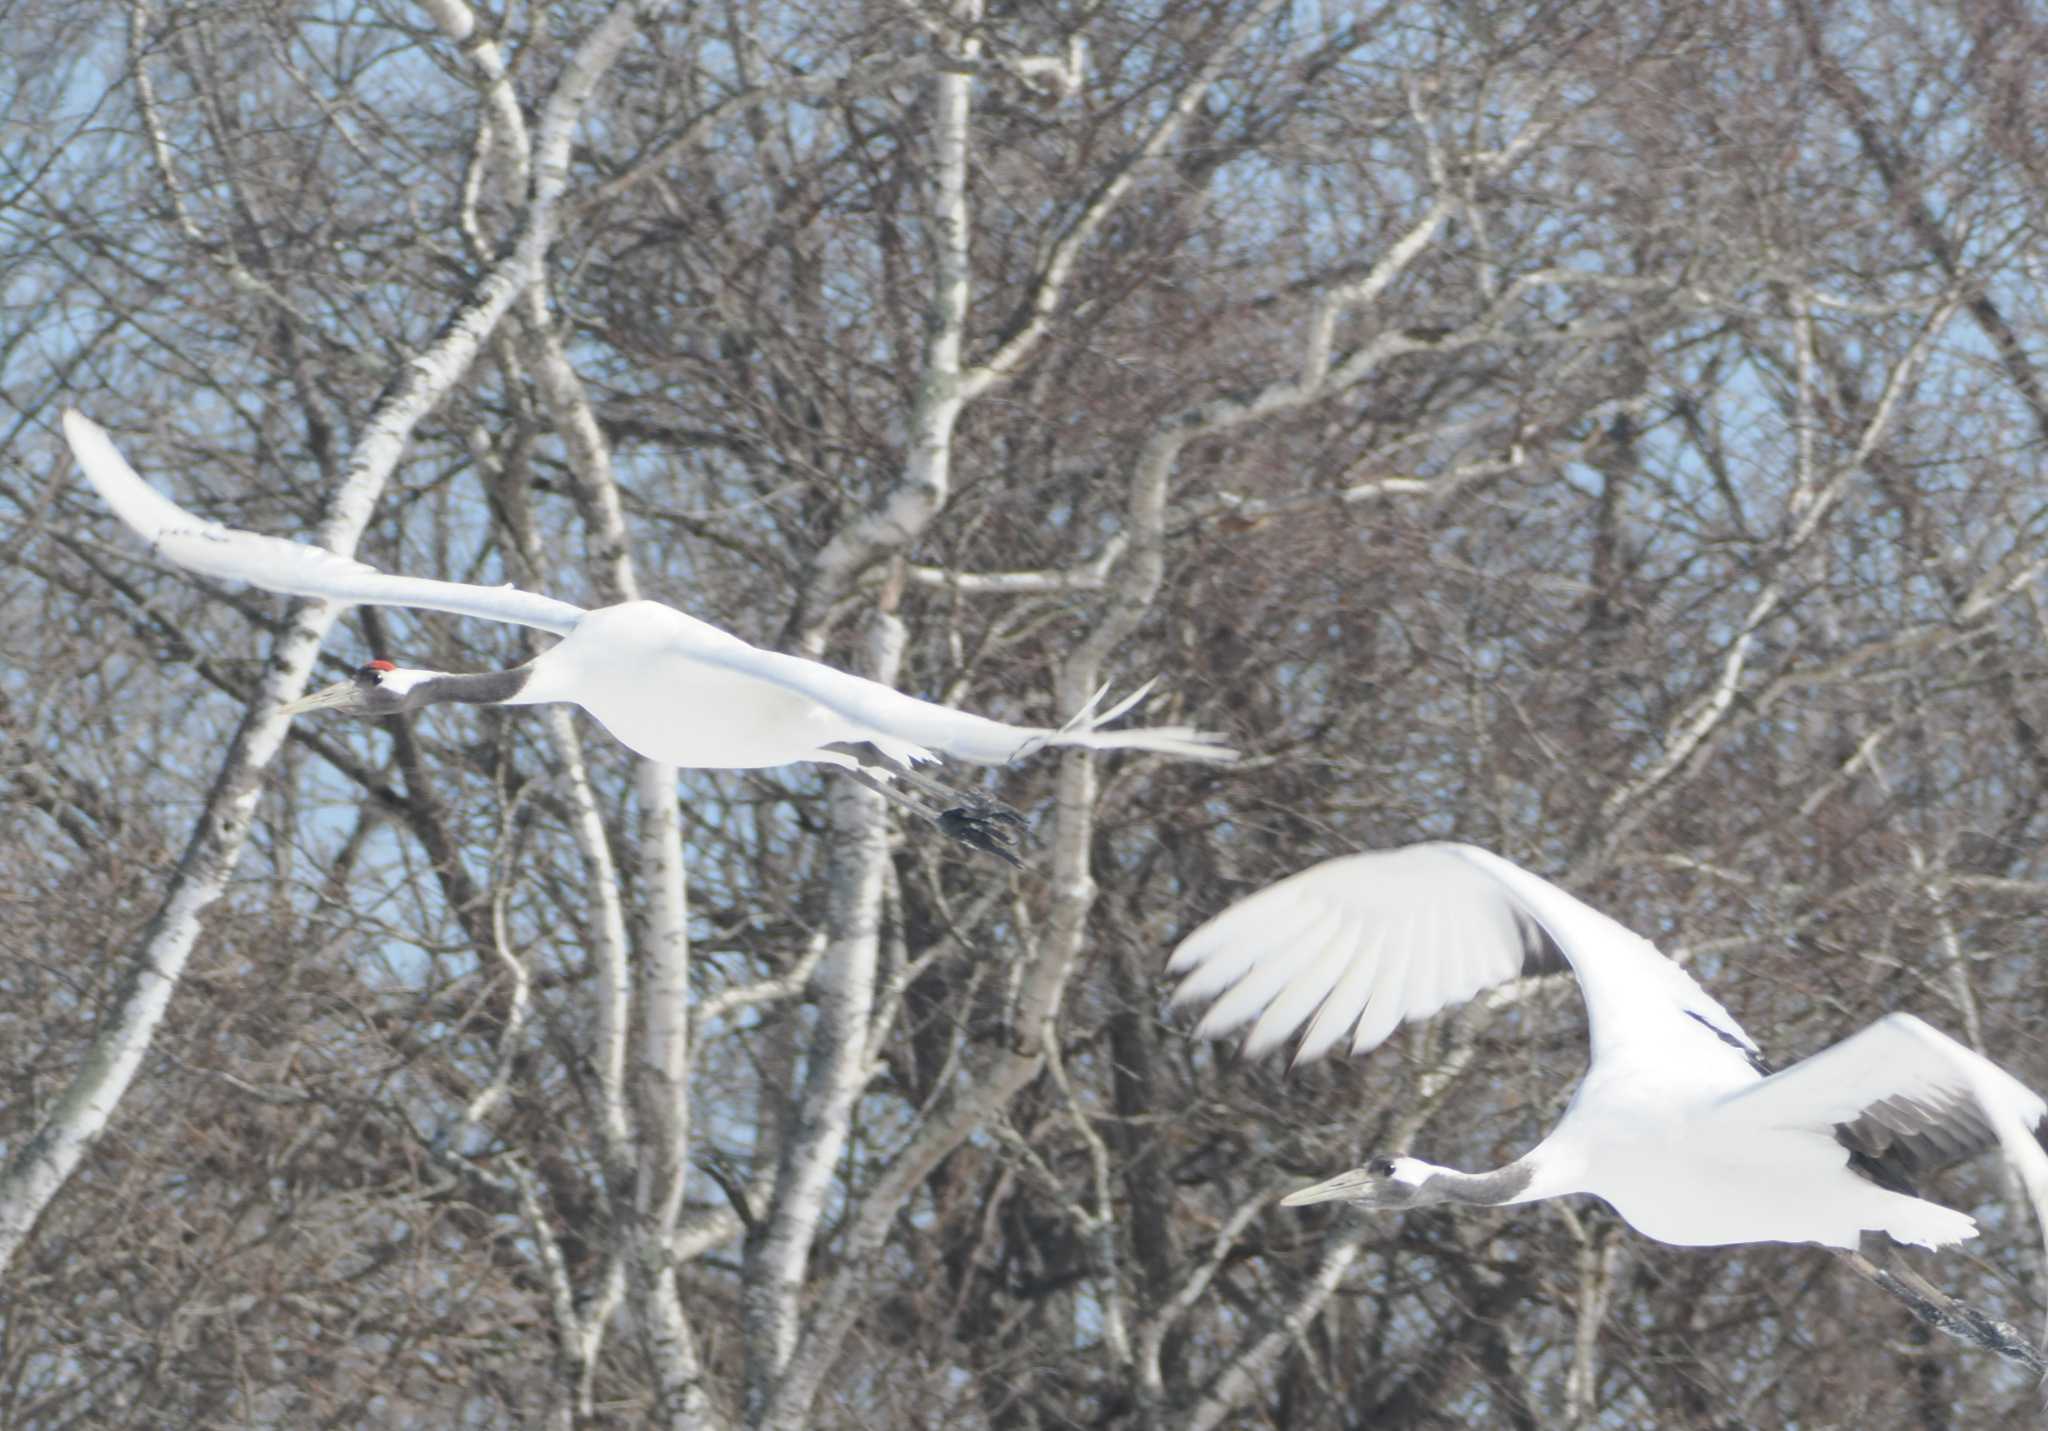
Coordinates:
<point>666,685</point>
<point>1678,1123</point>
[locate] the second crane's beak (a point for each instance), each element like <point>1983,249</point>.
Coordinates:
<point>343,695</point>
<point>1356,1183</point>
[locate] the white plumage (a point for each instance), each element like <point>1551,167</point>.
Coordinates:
<point>1676,1123</point>
<point>667,685</point>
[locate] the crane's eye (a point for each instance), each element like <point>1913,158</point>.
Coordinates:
<point>374,671</point>
<point>1381,1167</point>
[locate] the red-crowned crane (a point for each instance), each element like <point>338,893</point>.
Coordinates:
<point>666,685</point>
<point>1678,1123</point>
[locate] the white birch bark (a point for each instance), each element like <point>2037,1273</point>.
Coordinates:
<point>656,999</point>
<point>950,383</point>
<point>836,1065</point>
<point>1600,1258</point>
<point>927,471</point>
<point>836,1061</point>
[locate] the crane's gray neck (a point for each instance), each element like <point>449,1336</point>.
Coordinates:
<point>484,688</point>
<point>1502,1185</point>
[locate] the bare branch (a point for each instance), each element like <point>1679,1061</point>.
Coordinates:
<point>1809,506</point>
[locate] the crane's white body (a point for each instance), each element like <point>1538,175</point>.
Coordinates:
<point>667,685</point>
<point>1667,1145</point>
<point>1674,1124</point>
<point>680,690</point>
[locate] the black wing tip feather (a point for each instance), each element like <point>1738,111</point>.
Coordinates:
<point>1541,954</point>
<point>1756,1060</point>
<point>1892,1173</point>
<point>1898,1141</point>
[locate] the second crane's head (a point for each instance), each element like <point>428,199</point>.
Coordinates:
<point>1384,1184</point>
<point>377,689</point>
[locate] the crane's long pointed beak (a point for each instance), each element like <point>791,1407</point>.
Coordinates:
<point>338,695</point>
<point>1344,1185</point>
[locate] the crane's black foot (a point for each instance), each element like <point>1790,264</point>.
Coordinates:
<point>975,820</point>
<point>984,825</point>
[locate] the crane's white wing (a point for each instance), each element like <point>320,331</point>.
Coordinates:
<point>908,728</point>
<point>903,726</point>
<point>1352,948</point>
<point>1904,1092</point>
<point>276,564</point>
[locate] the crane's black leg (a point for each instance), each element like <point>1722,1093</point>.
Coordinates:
<point>983,830</point>
<point>941,793</point>
<point>963,815</point>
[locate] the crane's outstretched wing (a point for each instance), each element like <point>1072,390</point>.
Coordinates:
<point>1355,946</point>
<point>1906,1095</point>
<point>276,564</point>
<point>907,728</point>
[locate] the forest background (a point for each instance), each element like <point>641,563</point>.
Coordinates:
<point>1608,433</point>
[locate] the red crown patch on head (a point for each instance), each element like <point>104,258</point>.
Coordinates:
<point>380,666</point>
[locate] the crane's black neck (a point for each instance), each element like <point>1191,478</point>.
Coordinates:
<point>484,688</point>
<point>1502,1185</point>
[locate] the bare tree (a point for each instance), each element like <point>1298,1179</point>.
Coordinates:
<point>1605,433</point>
